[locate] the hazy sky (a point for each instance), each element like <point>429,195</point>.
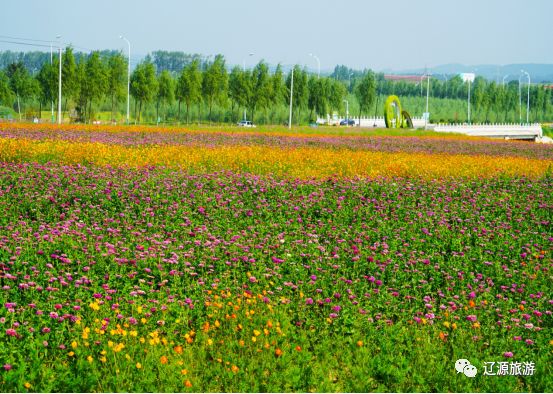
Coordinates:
<point>381,34</point>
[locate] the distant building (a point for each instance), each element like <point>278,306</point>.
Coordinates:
<point>405,78</point>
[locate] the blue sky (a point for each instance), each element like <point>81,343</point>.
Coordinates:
<point>399,34</point>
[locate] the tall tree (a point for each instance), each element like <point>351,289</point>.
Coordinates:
<point>261,88</point>
<point>47,79</point>
<point>239,87</point>
<point>165,91</point>
<point>300,92</point>
<point>20,83</point>
<point>215,83</point>
<point>365,91</point>
<point>70,80</point>
<point>96,81</point>
<point>189,86</point>
<point>116,79</point>
<point>143,84</point>
<point>6,93</point>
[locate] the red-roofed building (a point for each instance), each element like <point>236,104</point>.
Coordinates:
<point>406,78</point>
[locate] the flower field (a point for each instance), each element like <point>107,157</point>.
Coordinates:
<point>142,260</point>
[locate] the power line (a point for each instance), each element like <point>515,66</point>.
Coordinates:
<point>25,43</point>
<point>25,39</point>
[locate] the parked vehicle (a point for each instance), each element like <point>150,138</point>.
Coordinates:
<point>246,123</point>
<point>349,122</point>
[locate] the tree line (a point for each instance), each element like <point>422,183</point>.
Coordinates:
<point>205,84</point>
<point>171,86</point>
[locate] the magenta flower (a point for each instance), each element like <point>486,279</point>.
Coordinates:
<point>7,367</point>
<point>308,301</point>
<point>508,354</point>
<point>471,318</point>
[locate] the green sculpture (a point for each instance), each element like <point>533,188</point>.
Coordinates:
<point>394,117</point>
<point>392,113</point>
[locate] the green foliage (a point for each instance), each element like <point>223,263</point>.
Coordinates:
<point>365,92</point>
<point>215,83</point>
<point>143,84</point>
<point>166,90</point>
<point>6,94</point>
<point>261,86</point>
<point>116,80</point>
<point>189,87</point>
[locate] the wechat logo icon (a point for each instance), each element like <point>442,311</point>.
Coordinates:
<point>464,366</point>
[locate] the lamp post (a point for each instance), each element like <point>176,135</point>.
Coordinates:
<point>244,70</point>
<point>128,78</point>
<point>468,102</point>
<point>504,80</point>
<point>528,99</point>
<point>291,92</point>
<point>347,113</point>
<point>427,115</point>
<point>51,101</point>
<point>59,82</point>
<point>318,65</point>
<point>519,101</point>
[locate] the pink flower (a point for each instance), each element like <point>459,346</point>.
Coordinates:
<point>11,332</point>
<point>471,318</point>
<point>253,279</point>
<point>508,354</point>
<point>309,301</point>
<point>7,367</point>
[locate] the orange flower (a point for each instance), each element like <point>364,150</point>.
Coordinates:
<point>234,369</point>
<point>359,343</point>
<point>278,352</point>
<point>163,360</point>
<point>472,304</point>
<point>298,348</point>
<point>188,383</point>
<point>443,336</point>
<point>178,349</point>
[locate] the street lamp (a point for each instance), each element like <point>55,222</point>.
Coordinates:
<point>347,113</point>
<point>504,79</point>
<point>291,92</point>
<point>318,64</point>
<point>128,78</point>
<point>59,82</point>
<point>244,70</point>
<point>528,99</point>
<point>427,114</point>
<point>51,101</point>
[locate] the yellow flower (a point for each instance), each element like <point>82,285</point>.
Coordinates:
<point>256,333</point>
<point>183,372</point>
<point>446,324</point>
<point>254,339</point>
<point>138,365</point>
<point>74,345</point>
<point>454,326</point>
<point>103,359</point>
<point>210,342</point>
<point>27,385</point>
<point>71,354</point>
<point>90,359</point>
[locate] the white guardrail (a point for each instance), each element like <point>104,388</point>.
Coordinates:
<point>528,131</point>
